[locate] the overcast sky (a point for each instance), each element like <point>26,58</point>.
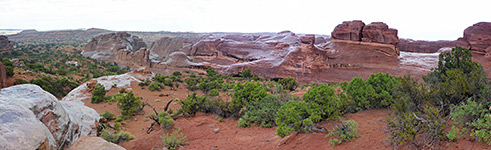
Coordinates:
<point>416,19</point>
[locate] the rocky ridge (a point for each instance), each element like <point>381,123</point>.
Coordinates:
<point>5,44</point>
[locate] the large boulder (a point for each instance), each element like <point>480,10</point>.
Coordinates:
<point>348,30</point>
<point>3,76</point>
<point>479,36</point>
<point>308,39</point>
<point>105,47</point>
<point>379,32</point>
<point>94,143</point>
<point>5,44</point>
<point>140,58</point>
<point>31,118</point>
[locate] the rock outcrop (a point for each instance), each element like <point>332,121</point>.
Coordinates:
<point>94,143</point>
<point>356,30</point>
<point>3,76</point>
<point>118,47</point>
<point>5,44</point>
<point>103,47</point>
<point>308,39</point>
<point>478,36</point>
<point>379,32</point>
<point>409,45</point>
<point>32,118</point>
<point>348,30</point>
<point>140,58</point>
<point>166,45</point>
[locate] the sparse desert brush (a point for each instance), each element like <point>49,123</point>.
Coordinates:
<point>347,131</point>
<point>173,140</point>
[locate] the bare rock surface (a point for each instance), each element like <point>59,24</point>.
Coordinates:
<point>3,76</point>
<point>348,30</point>
<point>409,45</point>
<point>479,36</point>
<point>107,47</point>
<point>5,44</point>
<point>32,118</point>
<point>379,32</point>
<point>94,143</point>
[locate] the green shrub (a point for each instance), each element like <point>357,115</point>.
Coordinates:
<point>191,84</point>
<point>174,140</point>
<point>194,103</point>
<point>166,122</point>
<point>288,84</point>
<point>116,137</point>
<point>98,94</point>
<point>129,104</point>
<point>176,73</point>
<point>155,86</point>
<point>324,100</point>
<point>384,86</point>
<point>246,93</point>
<point>206,86</point>
<point>210,72</point>
<point>347,131</point>
<point>117,126</point>
<point>246,73</point>
<point>108,116</point>
<point>214,92</point>
<point>360,93</point>
<point>263,112</point>
<point>453,134</point>
<point>295,116</point>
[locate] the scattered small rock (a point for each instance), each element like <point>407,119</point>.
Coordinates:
<point>157,100</point>
<point>216,130</point>
<point>136,119</point>
<point>214,148</point>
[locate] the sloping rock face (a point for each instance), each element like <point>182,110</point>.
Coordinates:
<point>3,76</point>
<point>479,36</point>
<point>409,45</point>
<point>140,58</point>
<point>166,45</point>
<point>32,118</point>
<point>379,32</point>
<point>94,143</point>
<point>105,47</point>
<point>348,30</point>
<point>5,44</point>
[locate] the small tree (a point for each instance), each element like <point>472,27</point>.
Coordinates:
<point>129,104</point>
<point>247,73</point>
<point>288,83</point>
<point>98,94</point>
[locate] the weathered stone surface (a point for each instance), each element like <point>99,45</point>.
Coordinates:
<point>94,143</point>
<point>166,45</point>
<point>104,47</point>
<point>138,58</point>
<point>308,39</point>
<point>3,76</point>
<point>5,44</point>
<point>32,118</point>
<point>409,45</point>
<point>478,36</point>
<point>348,30</point>
<point>379,32</point>
<point>320,40</point>
<point>462,43</point>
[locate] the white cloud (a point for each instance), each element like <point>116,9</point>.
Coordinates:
<point>417,19</point>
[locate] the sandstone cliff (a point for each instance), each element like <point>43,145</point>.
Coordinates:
<point>5,44</point>
<point>3,76</point>
<point>409,45</point>
<point>477,37</point>
<point>119,47</point>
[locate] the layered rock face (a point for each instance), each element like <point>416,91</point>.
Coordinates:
<point>348,30</point>
<point>409,45</point>
<point>478,36</point>
<point>166,45</point>
<point>32,118</point>
<point>5,44</point>
<point>377,32</point>
<point>119,47</point>
<point>3,76</point>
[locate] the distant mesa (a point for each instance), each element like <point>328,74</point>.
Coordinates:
<point>28,31</point>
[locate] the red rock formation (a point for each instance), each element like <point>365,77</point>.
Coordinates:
<point>5,44</point>
<point>166,45</point>
<point>409,45</point>
<point>119,47</point>
<point>3,76</point>
<point>139,58</point>
<point>308,39</point>
<point>478,36</point>
<point>379,32</point>
<point>462,43</point>
<point>348,30</point>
